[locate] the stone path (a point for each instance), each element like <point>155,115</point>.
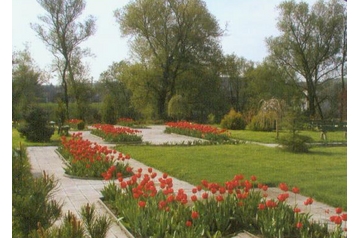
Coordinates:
<point>75,193</point>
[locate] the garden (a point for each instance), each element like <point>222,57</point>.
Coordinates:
<point>233,201</point>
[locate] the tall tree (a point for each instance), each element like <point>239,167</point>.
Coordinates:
<point>63,34</point>
<point>169,36</point>
<point>310,44</point>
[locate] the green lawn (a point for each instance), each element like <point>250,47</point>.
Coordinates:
<point>270,137</point>
<point>322,173</point>
<point>16,140</point>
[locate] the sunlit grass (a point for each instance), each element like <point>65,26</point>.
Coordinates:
<point>17,139</point>
<point>322,173</point>
<point>270,137</point>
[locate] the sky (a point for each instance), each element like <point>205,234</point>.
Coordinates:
<point>249,22</point>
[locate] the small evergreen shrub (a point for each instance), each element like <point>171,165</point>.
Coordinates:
<point>36,128</point>
<point>295,143</point>
<point>233,121</point>
<point>81,125</point>
<point>32,198</point>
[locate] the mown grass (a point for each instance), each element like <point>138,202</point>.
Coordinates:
<point>270,137</point>
<point>321,174</point>
<point>17,139</point>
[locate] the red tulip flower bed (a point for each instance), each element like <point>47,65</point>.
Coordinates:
<point>148,206</point>
<point>87,159</point>
<point>111,133</point>
<point>197,130</point>
<point>124,121</point>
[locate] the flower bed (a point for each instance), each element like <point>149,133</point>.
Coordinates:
<point>76,124</point>
<point>87,159</point>
<point>149,207</point>
<point>110,133</point>
<point>197,130</point>
<point>124,121</point>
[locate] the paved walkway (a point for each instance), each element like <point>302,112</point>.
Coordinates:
<point>75,193</point>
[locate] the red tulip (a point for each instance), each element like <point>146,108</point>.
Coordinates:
<point>194,214</point>
<point>338,210</point>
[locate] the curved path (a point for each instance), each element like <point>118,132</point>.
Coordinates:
<point>75,193</point>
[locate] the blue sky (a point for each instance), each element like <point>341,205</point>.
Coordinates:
<point>249,23</point>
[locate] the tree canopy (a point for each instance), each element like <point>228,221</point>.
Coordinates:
<point>63,34</point>
<point>169,38</point>
<point>310,44</point>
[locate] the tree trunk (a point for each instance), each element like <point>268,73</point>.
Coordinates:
<point>65,89</point>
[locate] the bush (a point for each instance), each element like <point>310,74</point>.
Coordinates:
<point>36,128</point>
<point>32,201</point>
<point>81,125</point>
<point>233,121</point>
<point>295,143</point>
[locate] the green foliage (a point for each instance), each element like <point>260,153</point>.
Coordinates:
<point>211,119</point>
<point>310,43</point>
<point>60,112</point>
<point>178,107</point>
<point>26,83</point>
<point>108,110</point>
<point>32,200</point>
<point>91,226</point>
<point>263,121</point>
<point>97,226</point>
<point>233,121</point>
<point>81,125</point>
<point>295,143</point>
<point>166,57</point>
<point>36,128</point>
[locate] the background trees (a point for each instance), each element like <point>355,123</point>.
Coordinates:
<point>63,34</point>
<point>115,95</point>
<point>26,83</point>
<point>169,38</point>
<point>176,54</point>
<point>310,45</point>
<point>234,72</point>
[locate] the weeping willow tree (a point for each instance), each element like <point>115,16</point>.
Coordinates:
<point>271,113</point>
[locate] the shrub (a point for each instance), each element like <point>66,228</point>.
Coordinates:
<point>36,128</point>
<point>32,200</point>
<point>81,125</point>
<point>92,226</point>
<point>295,143</point>
<point>233,121</point>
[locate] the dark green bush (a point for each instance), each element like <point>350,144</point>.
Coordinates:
<point>36,128</point>
<point>81,125</point>
<point>295,143</point>
<point>233,121</point>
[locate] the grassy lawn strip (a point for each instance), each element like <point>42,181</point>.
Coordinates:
<point>270,137</point>
<point>16,140</point>
<point>321,174</point>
